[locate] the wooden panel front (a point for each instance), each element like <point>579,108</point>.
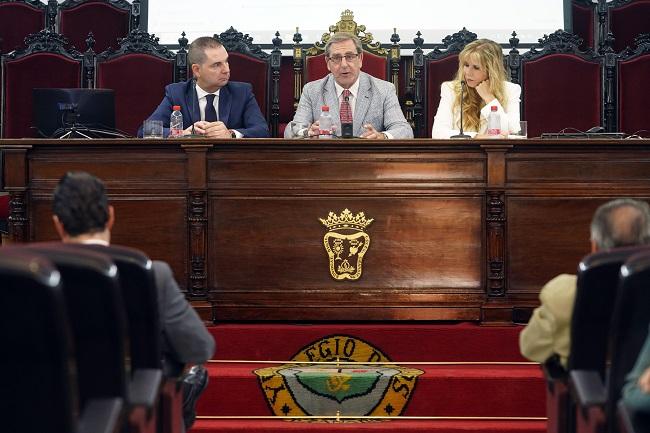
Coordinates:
<point>461,231</point>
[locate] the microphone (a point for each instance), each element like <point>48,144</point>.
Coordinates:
<point>460,134</point>
<point>346,128</point>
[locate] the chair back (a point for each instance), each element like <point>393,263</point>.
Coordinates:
<point>22,71</point>
<point>108,20</point>
<point>632,70</point>
<point>562,86</point>
<point>629,328</point>
<point>624,19</point>
<point>596,291</point>
<point>250,64</point>
<point>39,378</point>
<point>583,21</point>
<point>140,297</point>
<point>138,71</point>
<point>19,18</point>
<point>310,64</point>
<point>97,318</point>
<point>430,71</point>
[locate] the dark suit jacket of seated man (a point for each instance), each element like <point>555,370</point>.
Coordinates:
<point>234,114</point>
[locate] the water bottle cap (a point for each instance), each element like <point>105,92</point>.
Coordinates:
<point>176,108</point>
<point>493,108</point>
<point>325,108</point>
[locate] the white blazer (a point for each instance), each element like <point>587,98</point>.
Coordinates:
<point>446,123</point>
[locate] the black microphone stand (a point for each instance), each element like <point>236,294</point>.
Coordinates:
<point>461,134</point>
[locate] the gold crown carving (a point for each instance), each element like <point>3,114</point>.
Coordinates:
<point>346,221</point>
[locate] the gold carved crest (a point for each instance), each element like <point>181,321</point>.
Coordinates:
<point>346,243</point>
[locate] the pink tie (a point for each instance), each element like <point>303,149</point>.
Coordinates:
<point>346,110</point>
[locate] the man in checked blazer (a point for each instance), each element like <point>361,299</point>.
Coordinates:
<point>376,112</point>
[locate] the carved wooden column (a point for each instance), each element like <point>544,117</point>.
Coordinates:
<point>15,182</point>
<point>496,309</point>
<point>197,219</point>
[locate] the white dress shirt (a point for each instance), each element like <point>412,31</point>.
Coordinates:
<point>203,102</point>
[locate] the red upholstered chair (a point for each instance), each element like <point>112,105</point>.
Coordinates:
<point>24,69</point>
<point>138,72</point>
<point>309,64</point>
<point>19,18</point>
<point>562,86</point>
<point>250,64</point>
<point>430,71</point>
<point>625,19</point>
<point>583,21</point>
<point>633,69</point>
<point>109,20</point>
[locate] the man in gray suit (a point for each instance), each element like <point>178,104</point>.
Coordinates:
<point>82,215</point>
<point>375,110</point>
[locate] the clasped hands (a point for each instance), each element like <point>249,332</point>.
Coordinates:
<point>216,129</point>
<point>370,132</point>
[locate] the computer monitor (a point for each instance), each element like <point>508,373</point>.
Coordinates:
<point>58,111</point>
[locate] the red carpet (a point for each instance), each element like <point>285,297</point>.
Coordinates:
<point>487,390</point>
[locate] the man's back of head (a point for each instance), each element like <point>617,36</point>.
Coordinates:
<point>80,205</point>
<point>621,222</point>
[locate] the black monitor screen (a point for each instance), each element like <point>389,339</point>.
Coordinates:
<point>58,109</point>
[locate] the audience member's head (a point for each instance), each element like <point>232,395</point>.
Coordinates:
<point>81,208</point>
<point>619,223</point>
<point>208,59</point>
<point>344,57</point>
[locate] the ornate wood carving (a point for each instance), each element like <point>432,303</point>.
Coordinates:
<point>298,63</point>
<point>233,40</point>
<point>276,63</point>
<point>89,62</point>
<point>181,59</point>
<point>348,25</point>
<point>18,221</point>
<point>198,222</point>
<point>495,243</point>
<point>513,58</point>
<point>46,41</point>
<point>452,44</point>
<point>418,86</point>
<point>609,95</point>
<point>138,41</point>
<point>395,57</point>
<point>559,41</point>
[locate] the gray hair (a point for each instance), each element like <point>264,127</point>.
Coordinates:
<point>342,37</point>
<point>621,222</point>
<point>196,52</point>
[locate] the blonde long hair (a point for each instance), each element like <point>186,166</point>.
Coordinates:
<point>490,58</point>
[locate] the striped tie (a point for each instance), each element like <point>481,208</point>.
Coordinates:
<point>346,110</point>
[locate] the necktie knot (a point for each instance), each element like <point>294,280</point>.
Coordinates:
<point>346,109</point>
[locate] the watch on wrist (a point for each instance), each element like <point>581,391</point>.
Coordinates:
<point>233,134</point>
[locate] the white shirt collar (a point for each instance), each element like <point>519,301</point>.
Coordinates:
<point>95,242</point>
<point>200,93</point>
<point>354,89</point>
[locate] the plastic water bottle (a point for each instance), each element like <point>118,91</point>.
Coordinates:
<point>176,122</point>
<point>494,122</point>
<point>325,123</point>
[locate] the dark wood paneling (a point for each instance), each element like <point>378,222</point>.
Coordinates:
<point>461,231</point>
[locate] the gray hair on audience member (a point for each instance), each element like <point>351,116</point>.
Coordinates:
<point>621,222</point>
<point>342,37</point>
<point>196,53</point>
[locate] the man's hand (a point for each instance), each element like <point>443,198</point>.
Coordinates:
<point>217,129</point>
<point>372,133</point>
<point>483,90</point>
<point>644,381</point>
<point>314,129</point>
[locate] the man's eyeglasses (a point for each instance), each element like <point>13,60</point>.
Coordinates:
<point>348,57</point>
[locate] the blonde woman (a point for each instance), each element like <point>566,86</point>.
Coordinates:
<point>480,67</point>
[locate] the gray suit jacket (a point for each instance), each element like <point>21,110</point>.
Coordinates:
<point>185,338</point>
<point>376,104</point>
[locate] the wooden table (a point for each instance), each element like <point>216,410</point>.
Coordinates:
<point>465,230</point>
